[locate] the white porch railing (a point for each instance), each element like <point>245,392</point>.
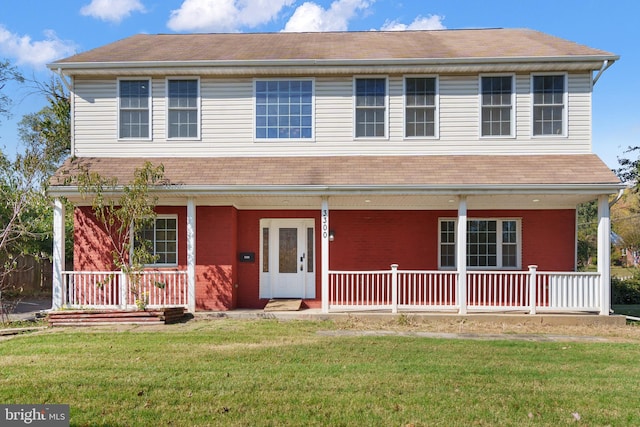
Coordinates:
<point>529,291</point>
<point>90,289</point>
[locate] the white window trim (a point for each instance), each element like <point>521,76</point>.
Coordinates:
<point>436,133</point>
<point>163,265</point>
<point>198,106</point>
<point>386,108</point>
<point>565,110</point>
<point>512,135</point>
<point>518,222</point>
<point>150,103</point>
<point>313,111</point>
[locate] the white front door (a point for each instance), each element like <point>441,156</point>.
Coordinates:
<point>287,258</point>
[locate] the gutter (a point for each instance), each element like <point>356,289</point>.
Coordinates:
<point>327,62</point>
<point>328,190</point>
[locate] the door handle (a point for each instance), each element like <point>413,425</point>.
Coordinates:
<point>302,257</point>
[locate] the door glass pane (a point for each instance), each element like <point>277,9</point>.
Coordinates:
<point>265,250</point>
<point>309,250</point>
<point>288,248</point>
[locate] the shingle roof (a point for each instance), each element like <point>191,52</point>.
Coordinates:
<point>516,170</point>
<point>370,45</point>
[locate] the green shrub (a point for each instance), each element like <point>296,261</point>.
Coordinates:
<point>625,291</point>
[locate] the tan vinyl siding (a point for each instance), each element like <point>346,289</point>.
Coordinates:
<point>334,111</point>
<point>459,109</point>
<point>227,111</point>
<point>227,121</point>
<point>95,114</point>
<point>395,123</point>
<point>579,106</point>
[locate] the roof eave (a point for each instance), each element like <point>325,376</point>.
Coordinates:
<point>328,190</point>
<point>104,65</point>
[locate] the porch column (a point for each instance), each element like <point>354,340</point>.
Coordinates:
<point>191,254</point>
<point>604,254</point>
<point>461,254</point>
<point>58,255</point>
<point>324,269</point>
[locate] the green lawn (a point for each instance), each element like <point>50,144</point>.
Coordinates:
<point>253,373</point>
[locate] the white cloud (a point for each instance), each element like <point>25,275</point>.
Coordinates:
<point>111,10</point>
<point>312,17</point>
<point>224,15</point>
<point>26,51</point>
<point>431,22</point>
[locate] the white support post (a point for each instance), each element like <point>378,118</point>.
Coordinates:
<point>124,291</point>
<point>394,288</point>
<point>532,289</point>
<point>191,254</point>
<point>324,269</point>
<point>461,254</point>
<point>58,290</point>
<point>604,254</point>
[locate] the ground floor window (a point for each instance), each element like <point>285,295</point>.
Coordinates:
<point>491,243</point>
<point>162,237</point>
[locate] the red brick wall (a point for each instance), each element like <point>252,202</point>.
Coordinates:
<point>216,257</point>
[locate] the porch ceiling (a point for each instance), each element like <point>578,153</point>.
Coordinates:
<point>386,202</point>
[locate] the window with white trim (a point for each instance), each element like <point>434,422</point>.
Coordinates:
<point>549,104</point>
<point>420,106</point>
<point>371,107</point>
<point>134,109</point>
<point>183,109</point>
<point>162,237</point>
<point>491,243</point>
<point>284,109</point>
<point>496,105</point>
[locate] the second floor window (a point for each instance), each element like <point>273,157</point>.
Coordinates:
<point>371,107</point>
<point>420,107</point>
<point>284,109</point>
<point>497,105</point>
<point>182,104</point>
<point>134,108</point>
<point>548,105</point>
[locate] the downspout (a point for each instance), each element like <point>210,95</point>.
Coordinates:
<point>605,65</point>
<point>64,79</point>
<point>618,197</point>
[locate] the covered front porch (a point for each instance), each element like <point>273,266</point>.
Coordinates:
<point>462,289</point>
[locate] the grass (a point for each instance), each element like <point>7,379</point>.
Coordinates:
<point>232,372</point>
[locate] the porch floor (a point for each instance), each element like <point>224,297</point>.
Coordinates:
<point>512,318</point>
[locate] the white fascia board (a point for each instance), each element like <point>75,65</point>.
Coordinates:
<point>590,61</point>
<point>328,190</point>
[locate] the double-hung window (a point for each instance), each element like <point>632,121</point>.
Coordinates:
<point>134,109</point>
<point>497,105</point>
<point>420,107</point>
<point>182,109</point>
<point>491,243</point>
<point>284,109</point>
<point>371,107</point>
<point>549,104</point>
<point>161,236</point>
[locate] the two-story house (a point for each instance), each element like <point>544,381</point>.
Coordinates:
<point>433,170</point>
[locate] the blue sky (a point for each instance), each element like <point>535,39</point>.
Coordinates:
<point>36,32</point>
